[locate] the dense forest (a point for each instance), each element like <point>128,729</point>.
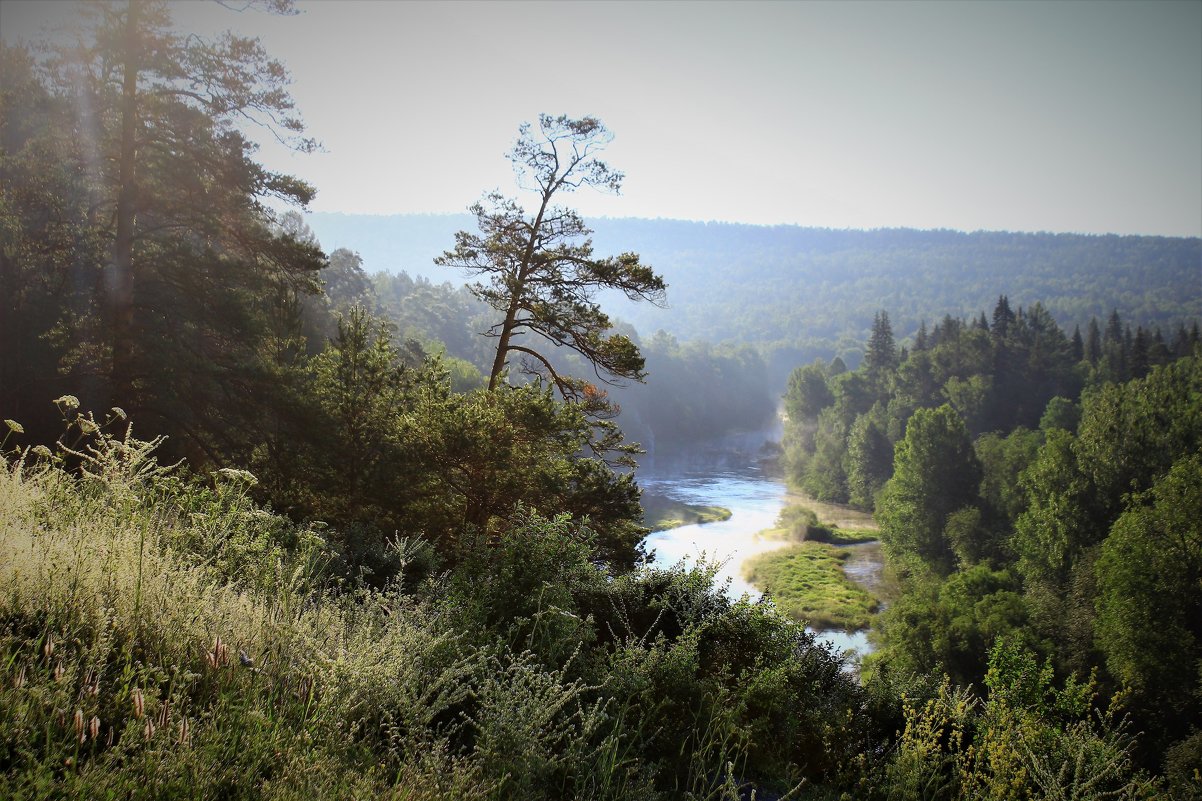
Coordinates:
<point>275,527</point>
<point>802,293</point>
<point>1035,490</point>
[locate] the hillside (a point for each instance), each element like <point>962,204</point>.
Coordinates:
<point>805,287</point>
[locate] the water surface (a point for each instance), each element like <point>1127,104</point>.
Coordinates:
<point>755,499</point>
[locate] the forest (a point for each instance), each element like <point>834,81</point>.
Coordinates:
<point>272,526</point>
<point>797,294</point>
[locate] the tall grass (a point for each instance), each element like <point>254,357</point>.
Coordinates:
<point>163,639</point>
<point>161,636</point>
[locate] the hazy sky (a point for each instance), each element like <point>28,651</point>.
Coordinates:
<point>1056,116</point>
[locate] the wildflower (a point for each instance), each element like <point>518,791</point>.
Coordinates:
<point>139,703</point>
<point>14,426</point>
<point>219,656</point>
<point>69,401</point>
<point>119,412</point>
<point>242,476</point>
<point>91,684</point>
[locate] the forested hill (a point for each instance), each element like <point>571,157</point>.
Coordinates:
<point>797,286</point>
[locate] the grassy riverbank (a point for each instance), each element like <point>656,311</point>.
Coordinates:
<point>806,579</point>
<point>661,513</point>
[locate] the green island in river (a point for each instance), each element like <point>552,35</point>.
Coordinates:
<point>806,579</point>
<point>661,513</point>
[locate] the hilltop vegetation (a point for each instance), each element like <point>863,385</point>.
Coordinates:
<point>800,293</point>
<point>166,637</point>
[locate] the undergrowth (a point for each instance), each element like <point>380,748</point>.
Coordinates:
<point>162,636</point>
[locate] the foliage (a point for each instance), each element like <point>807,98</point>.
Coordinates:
<point>806,581</point>
<point>935,473</point>
<point>1026,739</point>
<point>541,271</point>
<point>152,650</point>
<point>1149,608</point>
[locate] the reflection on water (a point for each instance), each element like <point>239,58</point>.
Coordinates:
<point>754,499</point>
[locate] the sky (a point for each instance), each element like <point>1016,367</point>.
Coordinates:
<point>1065,116</point>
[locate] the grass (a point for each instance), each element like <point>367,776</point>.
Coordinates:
<point>806,581</point>
<point>162,637</point>
<point>155,642</point>
<point>661,513</point>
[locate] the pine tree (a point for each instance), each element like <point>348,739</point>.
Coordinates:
<point>881,354</point>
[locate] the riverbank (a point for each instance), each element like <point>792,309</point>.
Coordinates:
<point>661,513</point>
<point>829,576</point>
<point>808,582</point>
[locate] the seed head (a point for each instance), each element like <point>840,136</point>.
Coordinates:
<point>139,703</point>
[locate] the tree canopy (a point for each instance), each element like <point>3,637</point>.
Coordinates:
<point>541,273</point>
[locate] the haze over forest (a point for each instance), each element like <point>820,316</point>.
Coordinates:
<point>313,486</point>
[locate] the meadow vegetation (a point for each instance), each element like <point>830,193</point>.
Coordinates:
<point>166,637</point>
<point>806,581</point>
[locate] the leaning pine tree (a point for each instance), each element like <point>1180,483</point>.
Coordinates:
<point>542,276</point>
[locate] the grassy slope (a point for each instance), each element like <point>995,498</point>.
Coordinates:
<point>129,668</point>
<point>161,639</point>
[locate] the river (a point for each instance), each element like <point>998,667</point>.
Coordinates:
<point>754,498</point>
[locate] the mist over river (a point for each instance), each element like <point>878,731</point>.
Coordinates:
<point>755,498</point>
